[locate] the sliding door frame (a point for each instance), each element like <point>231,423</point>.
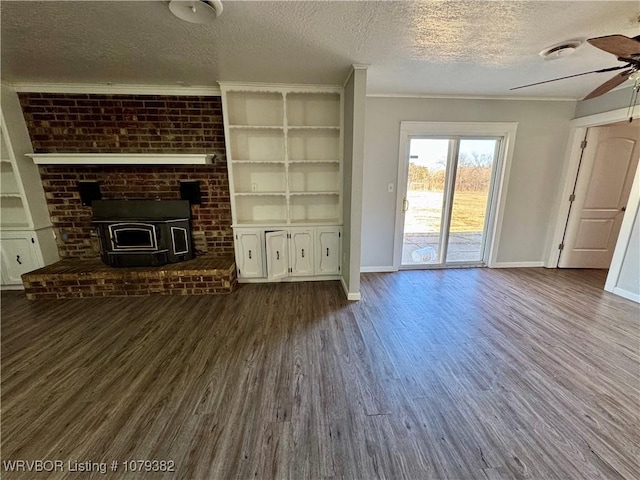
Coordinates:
<point>501,170</point>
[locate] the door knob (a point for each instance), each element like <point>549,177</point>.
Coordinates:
<point>623,209</point>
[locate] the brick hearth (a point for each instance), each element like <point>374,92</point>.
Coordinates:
<point>78,278</point>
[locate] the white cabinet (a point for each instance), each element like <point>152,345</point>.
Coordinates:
<point>19,255</point>
<point>249,257</point>
<point>290,255</point>
<point>301,253</point>
<point>329,252</point>
<point>277,255</point>
<point>26,234</point>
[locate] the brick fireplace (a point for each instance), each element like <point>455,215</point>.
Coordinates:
<point>87,123</point>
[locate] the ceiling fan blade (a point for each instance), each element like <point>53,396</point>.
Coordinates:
<point>619,45</point>
<point>610,84</point>
<point>602,70</point>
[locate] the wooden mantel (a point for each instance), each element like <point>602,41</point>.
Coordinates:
<point>121,158</point>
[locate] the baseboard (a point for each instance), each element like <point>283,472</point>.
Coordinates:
<point>517,264</point>
<point>377,269</point>
<point>634,297</point>
<point>12,287</point>
<point>354,297</point>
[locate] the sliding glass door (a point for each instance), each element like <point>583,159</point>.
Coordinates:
<point>448,200</point>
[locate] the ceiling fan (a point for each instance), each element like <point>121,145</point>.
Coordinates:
<point>626,49</point>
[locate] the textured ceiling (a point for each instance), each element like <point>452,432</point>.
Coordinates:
<point>433,47</point>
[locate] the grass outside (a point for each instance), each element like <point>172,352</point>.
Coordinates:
<point>425,210</point>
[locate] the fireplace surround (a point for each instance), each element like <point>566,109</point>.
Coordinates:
<point>137,233</point>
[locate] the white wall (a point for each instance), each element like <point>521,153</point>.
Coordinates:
<point>629,279</point>
<point>604,103</point>
<point>543,128</point>
<point>624,274</point>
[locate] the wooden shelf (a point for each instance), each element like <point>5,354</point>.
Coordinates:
<point>276,162</point>
<point>255,127</point>
<point>259,194</point>
<point>301,127</point>
<point>316,193</point>
<point>313,161</point>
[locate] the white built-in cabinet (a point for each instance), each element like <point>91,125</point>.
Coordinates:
<point>27,240</point>
<point>284,155</point>
<point>293,253</point>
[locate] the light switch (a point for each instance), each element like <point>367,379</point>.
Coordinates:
<point>390,187</point>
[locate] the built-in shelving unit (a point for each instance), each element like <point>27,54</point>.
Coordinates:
<point>26,234</point>
<point>12,208</point>
<point>284,155</point>
<point>284,143</point>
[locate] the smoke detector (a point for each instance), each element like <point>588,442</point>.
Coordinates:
<point>561,50</point>
<point>196,11</point>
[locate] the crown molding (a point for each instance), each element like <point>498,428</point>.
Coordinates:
<point>280,87</point>
<point>115,89</point>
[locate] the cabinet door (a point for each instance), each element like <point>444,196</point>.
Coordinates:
<point>328,251</point>
<point>301,249</point>
<point>18,257</point>
<point>277,255</point>
<point>249,254</point>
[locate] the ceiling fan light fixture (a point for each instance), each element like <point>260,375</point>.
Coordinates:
<point>561,50</point>
<point>196,11</point>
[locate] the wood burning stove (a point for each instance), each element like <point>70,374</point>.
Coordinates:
<point>136,233</point>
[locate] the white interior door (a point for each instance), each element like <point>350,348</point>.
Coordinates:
<point>605,176</point>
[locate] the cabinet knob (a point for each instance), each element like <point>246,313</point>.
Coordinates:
<point>277,255</point>
<point>303,253</point>
<point>327,251</point>
<point>249,254</point>
<point>18,259</point>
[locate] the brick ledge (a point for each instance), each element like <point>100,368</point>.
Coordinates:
<point>84,278</point>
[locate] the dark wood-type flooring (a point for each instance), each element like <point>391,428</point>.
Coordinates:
<point>462,374</point>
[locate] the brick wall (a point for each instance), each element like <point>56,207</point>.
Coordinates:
<point>79,123</point>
